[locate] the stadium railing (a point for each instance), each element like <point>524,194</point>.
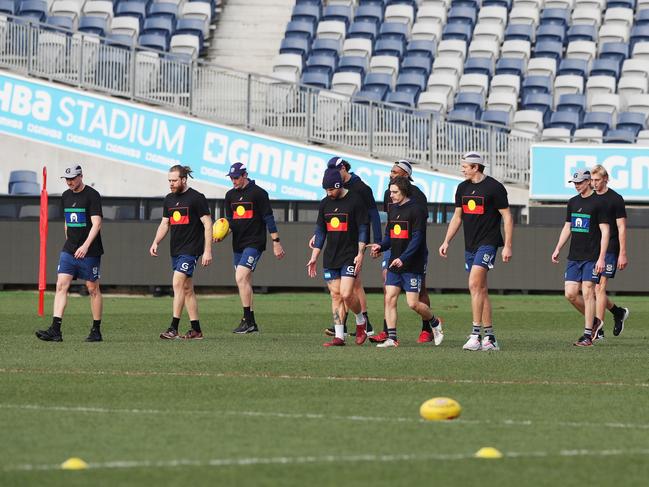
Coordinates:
<point>193,86</point>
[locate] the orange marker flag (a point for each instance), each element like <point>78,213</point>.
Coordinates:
<point>42,263</point>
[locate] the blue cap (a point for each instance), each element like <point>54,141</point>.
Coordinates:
<point>337,162</point>
<point>332,179</point>
<point>237,170</point>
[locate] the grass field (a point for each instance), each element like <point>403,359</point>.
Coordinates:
<point>277,408</point>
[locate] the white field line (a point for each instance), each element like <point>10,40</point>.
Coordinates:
<point>302,377</point>
<point>301,460</point>
<point>318,416</point>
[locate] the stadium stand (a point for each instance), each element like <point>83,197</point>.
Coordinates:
<point>581,64</point>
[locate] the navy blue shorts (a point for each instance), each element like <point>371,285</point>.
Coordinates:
<point>485,257</point>
<point>248,258</point>
<point>386,259</point>
<point>184,263</point>
<point>611,265</point>
<point>345,271</point>
<point>408,281</point>
<point>86,269</point>
<point>581,270</point>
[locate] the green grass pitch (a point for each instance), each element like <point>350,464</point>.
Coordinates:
<point>279,409</point>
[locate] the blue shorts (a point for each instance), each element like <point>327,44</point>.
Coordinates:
<point>485,257</point>
<point>386,259</point>
<point>409,282</point>
<point>345,271</point>
<point>184,264</point>
<point>248,258</point>
<point>86,269</point>
<point>611,265</point>
<point>581,270</point>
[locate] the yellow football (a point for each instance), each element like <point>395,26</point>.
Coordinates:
<point>440,408</point>
<point>220,229</point>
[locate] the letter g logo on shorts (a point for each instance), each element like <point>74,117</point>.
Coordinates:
<point>184,266</point>
<point>350,269</point>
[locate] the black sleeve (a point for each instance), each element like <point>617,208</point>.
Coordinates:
<point>264,204</point>
<point>95,204</point>
<point>500,197</point>
<point>419,221</point>
<point>368,196</point>
<point>202,205</point>
<point>362,216</point>
<point>620,210</point>
<point>320,222</point>
<point>228,207</point>
<point>602,214</point>
<point>386,200</point>
<point>458,197</point>
<point>568,213</point>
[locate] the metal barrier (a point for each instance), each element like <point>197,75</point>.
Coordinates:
<point>187,85</point>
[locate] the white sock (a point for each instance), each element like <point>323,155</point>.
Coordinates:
<point>340,331</point>
<point>360,319</point>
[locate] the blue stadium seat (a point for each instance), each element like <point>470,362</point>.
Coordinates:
<point>411,82</point>
<point>119,40</point>
<point>498,3</point>
<point>8,7</point>
<point>614,50</point>
<point>597,120</point>
<point>389,47</point>
<point>512,65</point>
<point>25,188</point>
<point>639,33</point>
<point>557,16</point>
<point>33,9</point>
<point>605,67</point>
<point>474,4</point>
<point>619,136</point>
<point>300,28</point>
<point>322,64</point>
<point>572,103</point>
<point>551,32</point>
<point>163,9</point>
<point>354,64</point>
<point>193,27</point>
<point>394,30</point>
<point>363,30</point>
<point>497,117</point>
<point>630,4</point>
<point>642,17</point>
<point>634,122</point>
<point>369,13</point>
<point>22,176</point>
<point>317,3</point>
<point>416,64</point>
<point>294,45</point>
<point>470,101</point>
<point>519,32</point>
<point>550,49</point>
<point>462,15</point>
<point>462,116</point>
<point>131,9</point>
<point>577,67</point>
<point>479,65</point>
<point>381,3</point>
<point>459,31</point>
<point>582,32</point>
<point>159,25</point>
<point>60,22</point>
<point>317,79</point>
<point>381,83</point>
<point>158,42</point>
<point>365,96</point>
<point>306,12</point>
<point>341,13</point>
<point>536,84</point>
<point>541,102</point>
<point>421,49</point>
<point>404,98</point>
<point>328,47</point>
<point>564,120</point>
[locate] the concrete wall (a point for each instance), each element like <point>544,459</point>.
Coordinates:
<point>127,261</point>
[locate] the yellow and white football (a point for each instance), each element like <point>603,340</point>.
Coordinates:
<point>440,408</point>
<point>220,229</point>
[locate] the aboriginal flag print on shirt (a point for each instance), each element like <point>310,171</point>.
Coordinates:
<point>473,205</point>
<point>242,210</point>
<point>336,222</point>
<point>179,216</point>
<point>399,229</point>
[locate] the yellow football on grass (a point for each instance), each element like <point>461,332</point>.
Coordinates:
<point>220,229</point>
<point>440,408</point>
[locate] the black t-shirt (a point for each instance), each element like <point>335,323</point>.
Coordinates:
<point>357,185</point>
<point>584,216</point>
<point>417,196</point>
<point>615,209</point>
<point>481,217</point>
<point>340,221</point>
<point>246,209</point>
<point>78,208</point>
<point>403,221</point>
<point>185,211</point>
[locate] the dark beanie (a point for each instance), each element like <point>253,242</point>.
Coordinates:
<point>332,179</point>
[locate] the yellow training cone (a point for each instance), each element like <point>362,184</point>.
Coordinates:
<point>74,463</point>
<point>488,452</point>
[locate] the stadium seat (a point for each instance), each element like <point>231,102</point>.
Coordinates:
<point>331,29</point>
<point>432,101</point>
<point>197,10</point>
<point>306,12</point>
<point>542,66</point>
<point>609,103</point>
<point>389,47</point>
<point>496,117</point>
<point>613,33</point>
<point>125,25</point>
<point>605,67</point>
<point>631,121</point>
<point>492,14</point>
<point>587,15</point>
<point>448,65</point>
<point>572,103</point>
<point>316,79</point>
<point>354,64</point>
<point>552,33</point>
<point>618,51</point>
<point>462,116</point>
<point>184,44</point>
<point>289,45</point>
<point>516,49</point>
<point>60,22</point>
<point>515,66</point>
<point>400,13</point>
<point>507,4</point>
<point>347,83</point>
<point>385,64</point>
<point>635,67</point>
<point>363,30</point>
<point>567,84</point>
<point>643,138</point>
<point>416,64</point>
<point>597,120</point>
<point>365,97</point>
<point>540,102</point>
<point>567,120</point>
<point>462,32</point>
<point>462,15</point>
<point>158,42</point>
<point>582,33</point>
<point>639,33</point>
<point>506,83</point>
<point>488,48</point>
<point>99,8</point>
<point>192,26</point>
<point>598,85</point>
<point>452,48</point>
<point>131,9</point>
<point>288,63</point>
<point>555,135</point>
<point>159,25</point>
<point>587,136</point>
<point>403,98</point>
<point>622,17</point>
<point>536,84</point>
<point>357,47</point>
<point>380,82</point>
<point>474,102</point>
<point>326,47</point>
<point>422,48</point>
<point>479,66</point>
<point>577,67</point>
<point>163,9</point>
<point>321,64</point>
<point>524,15</point>
<point>433,14</point>
<point>502,101</point>
<point>630,86</point>
<point>519,32</point>
<point>555,16</point>
<point>8,7</point>
<point>33,9</point>
<point>423,31</point>
<point>549,49</point>
<point>619,136</point>
<point>475,83</point>
<point>444,83</point>
<point>394,30</point>
<point>639,103</point>
<point>489,32</point>
<point>369,13</point>
<point>528,121</point>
